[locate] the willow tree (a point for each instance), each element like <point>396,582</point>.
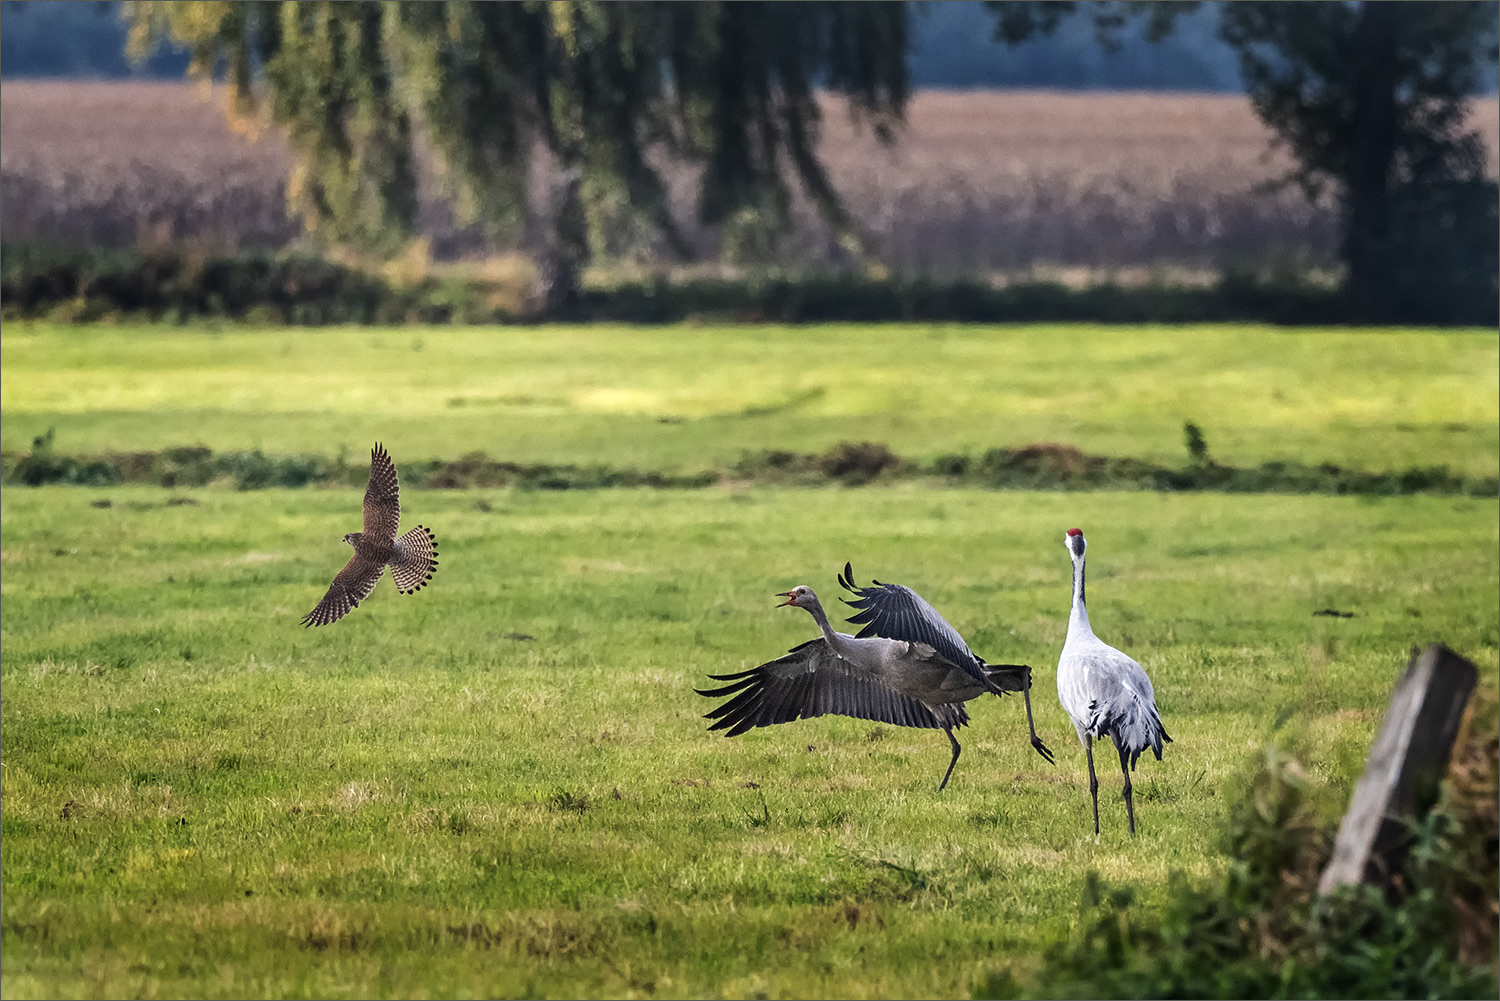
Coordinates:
<point>609,91</point>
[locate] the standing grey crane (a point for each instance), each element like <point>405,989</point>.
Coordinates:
<point>899,682</point>
<point>1105,693</point>
<point>899,613</point>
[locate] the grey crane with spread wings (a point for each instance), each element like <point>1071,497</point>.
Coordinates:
<point>899,613</point>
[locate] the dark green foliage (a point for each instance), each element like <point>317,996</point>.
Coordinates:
<point>950,48</point>
<point>1196,446</point>
<point>41,466</point>
<point>1259,930</point>
<point>171,284</point>
<point>855,463</point>
<point>607,91</point>
<point>849,298</point>
<point>1372,99</point>
<point>80,285</point>
<point>1033,467</point>
<point>1446,254</point>
<point>1018,21</point>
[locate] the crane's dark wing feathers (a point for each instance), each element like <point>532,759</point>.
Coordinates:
<point>899,613</point>
<point>811,681</point>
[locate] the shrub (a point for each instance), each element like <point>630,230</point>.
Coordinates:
<point>1260,930</point>
<point>857,462</point>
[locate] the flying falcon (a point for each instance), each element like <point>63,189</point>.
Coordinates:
<point>412,558</point>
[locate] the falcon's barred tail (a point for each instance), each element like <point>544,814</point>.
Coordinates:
<point>415,560</point>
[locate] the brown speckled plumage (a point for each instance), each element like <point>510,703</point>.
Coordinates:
<point>412,558</point>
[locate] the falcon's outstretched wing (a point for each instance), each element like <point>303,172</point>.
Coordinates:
<point>382,498</point>
<point>351,585</point>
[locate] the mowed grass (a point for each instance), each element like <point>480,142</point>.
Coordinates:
<point>686,398</point>
<point>502,785</point>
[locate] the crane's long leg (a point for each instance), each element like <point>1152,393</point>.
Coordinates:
<point>1088,749</point>
<point>1129,805</point>
<point>954,741</point>
<point>1036,742</point>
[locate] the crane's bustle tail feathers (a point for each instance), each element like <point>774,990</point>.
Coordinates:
<point>417,553</point>
<point>1135,727</point>
<point>1007,677</point>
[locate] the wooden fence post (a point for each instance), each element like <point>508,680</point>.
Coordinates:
<point>1406,762</point>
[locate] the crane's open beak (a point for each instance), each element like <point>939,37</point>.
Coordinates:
<point>788,595</point>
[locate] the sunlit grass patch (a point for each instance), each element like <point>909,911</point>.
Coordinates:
<point>682,399</point>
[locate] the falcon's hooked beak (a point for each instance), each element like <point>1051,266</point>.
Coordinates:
<point>790,596</point>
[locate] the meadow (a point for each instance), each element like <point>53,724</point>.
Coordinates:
<point>1128,185</point>
<point>685,398</point>
<point>502,785</point>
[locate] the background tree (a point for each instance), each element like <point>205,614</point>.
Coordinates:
<point>1371,98</point>
<point>608,91</point>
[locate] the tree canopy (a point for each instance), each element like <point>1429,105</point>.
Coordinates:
<point>607,90</point>
<point>1372,99</point>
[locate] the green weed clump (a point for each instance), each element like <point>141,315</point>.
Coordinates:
<point>1260,930</point>
<point>41,467</point>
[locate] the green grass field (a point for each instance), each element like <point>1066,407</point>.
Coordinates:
<point>502,785</point>
<point>689,397</point>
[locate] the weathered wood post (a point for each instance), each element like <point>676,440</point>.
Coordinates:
<point>1406,762</point>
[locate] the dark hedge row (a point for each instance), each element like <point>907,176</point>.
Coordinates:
<point>75,285</point>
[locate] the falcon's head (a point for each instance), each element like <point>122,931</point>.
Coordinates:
<point>352,537</point>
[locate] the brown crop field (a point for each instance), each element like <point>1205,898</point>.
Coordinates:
<point>1014,182</point>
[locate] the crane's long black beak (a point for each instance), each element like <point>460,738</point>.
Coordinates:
<point>788,595</point>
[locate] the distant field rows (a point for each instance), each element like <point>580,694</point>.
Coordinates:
<point>982,181</point>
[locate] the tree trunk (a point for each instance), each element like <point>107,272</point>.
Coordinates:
<point>568,251</point>
<point>1370,169</point>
